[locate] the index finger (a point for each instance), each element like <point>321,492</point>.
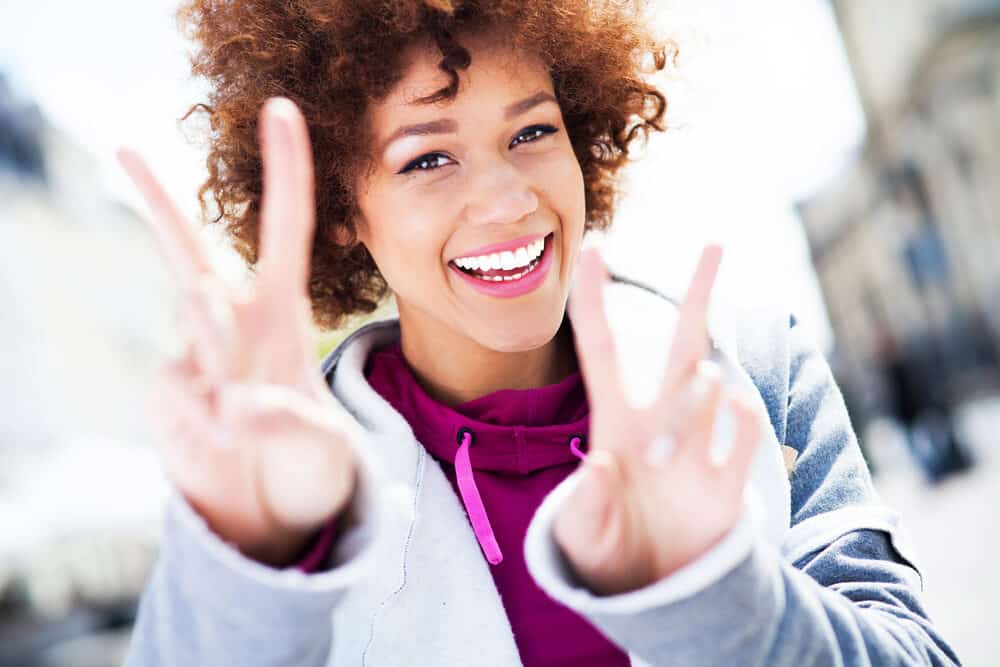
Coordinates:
<point>592,335</point>
<point>180,245</point>
<point>288,213</point>
<point>690,342</point>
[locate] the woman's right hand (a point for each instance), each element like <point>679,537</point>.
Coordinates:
<point>249,432</point>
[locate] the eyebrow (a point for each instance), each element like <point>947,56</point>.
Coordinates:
<point>449,125</point>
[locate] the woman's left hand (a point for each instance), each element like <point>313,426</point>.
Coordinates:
<point>651,498</point>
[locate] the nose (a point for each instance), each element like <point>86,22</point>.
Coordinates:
<point>499,195</point>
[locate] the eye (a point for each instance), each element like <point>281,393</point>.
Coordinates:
<point>432,161</point>
<point>427,162</point>
<point>533,133</point>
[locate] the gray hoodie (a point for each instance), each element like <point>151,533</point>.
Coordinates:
<point>816,572</point>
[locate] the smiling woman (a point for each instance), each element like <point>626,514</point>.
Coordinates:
<point>339,61</point>
<point>477,177</point>
<point>457,153</point>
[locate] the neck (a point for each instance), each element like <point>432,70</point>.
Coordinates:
<point>453,369</point>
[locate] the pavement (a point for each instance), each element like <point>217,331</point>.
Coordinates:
<point>954,528</point>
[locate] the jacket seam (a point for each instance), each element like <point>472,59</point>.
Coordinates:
<point>419,485</point>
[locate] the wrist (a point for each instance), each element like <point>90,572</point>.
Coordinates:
<point>284,544</point>
<point>281,549</point>
<point>638,566</point>
<point>258,538</point>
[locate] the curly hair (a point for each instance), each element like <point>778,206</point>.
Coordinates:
<point>334,58</point>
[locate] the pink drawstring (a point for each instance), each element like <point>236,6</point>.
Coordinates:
<point>473,502</point>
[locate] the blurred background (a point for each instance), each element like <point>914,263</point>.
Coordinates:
<point>846,152</point>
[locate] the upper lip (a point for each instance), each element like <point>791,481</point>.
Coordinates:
<point>500,247</point>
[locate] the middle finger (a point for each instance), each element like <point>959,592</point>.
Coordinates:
<point>690,342</point>
<point>287,211</point>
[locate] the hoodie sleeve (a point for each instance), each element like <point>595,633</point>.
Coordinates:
<point>206,604</point>
<point>841,590</point>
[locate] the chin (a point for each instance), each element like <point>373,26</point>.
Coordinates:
<point>520,337</point>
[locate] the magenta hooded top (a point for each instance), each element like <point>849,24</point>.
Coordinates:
<point>502,454</point>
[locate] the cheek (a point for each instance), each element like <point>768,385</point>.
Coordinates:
<point>558,175</point>
<point>405,233</point>
<point>563,181</point>
<point>387,212</point>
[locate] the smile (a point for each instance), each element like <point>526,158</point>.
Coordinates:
<point>515,274</point>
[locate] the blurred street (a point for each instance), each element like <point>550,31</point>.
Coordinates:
<point>953,527</point>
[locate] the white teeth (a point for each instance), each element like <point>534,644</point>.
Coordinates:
<point>507,259</point>
<point>516,276</point>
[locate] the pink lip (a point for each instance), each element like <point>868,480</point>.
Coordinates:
<point>506,290</point>
<point>500,247</point>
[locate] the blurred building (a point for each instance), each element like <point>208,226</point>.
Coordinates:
<point>81,294</point>
<point>20,136</point>
<point>83,283</point>
<point>86,319</point>
<point>906,241</point>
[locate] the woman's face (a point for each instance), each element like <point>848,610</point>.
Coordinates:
<point>454,180</point>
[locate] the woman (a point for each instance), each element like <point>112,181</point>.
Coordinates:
<point>422,500</point>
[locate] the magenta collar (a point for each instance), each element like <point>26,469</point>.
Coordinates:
<point>511,430</point>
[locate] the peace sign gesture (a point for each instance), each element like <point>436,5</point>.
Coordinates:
<point>652,498</point>
<point>248,431</point>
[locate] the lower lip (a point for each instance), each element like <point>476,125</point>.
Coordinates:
<point>512,288</point>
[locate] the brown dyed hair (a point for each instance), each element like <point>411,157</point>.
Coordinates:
<point>335,57</point>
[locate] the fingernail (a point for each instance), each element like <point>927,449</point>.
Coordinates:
<point>279,104</point>
<point>723,436</point>
<point>279,111</point>
<point>660,450</point>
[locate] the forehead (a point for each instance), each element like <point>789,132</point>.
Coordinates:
<point>496,76</point>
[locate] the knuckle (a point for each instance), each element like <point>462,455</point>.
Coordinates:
<point>742,406</point>
<point>750,424</point>
<point>706,383</point>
